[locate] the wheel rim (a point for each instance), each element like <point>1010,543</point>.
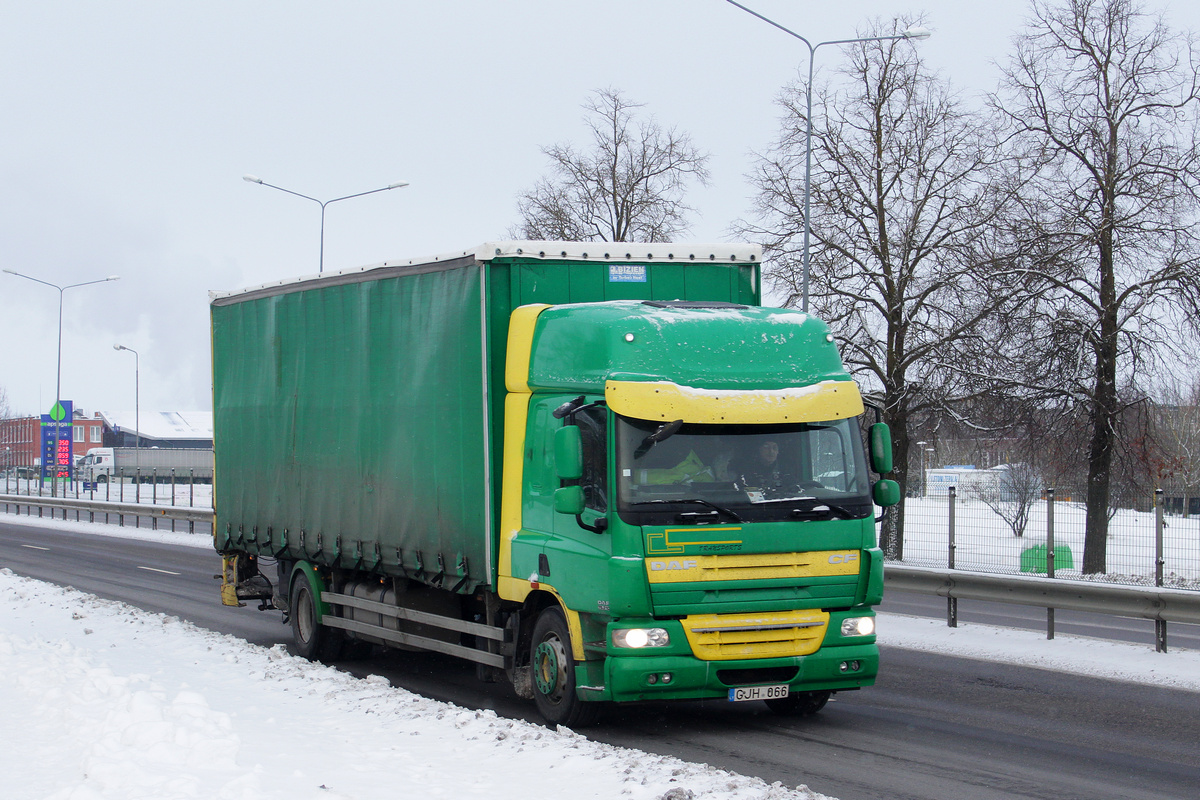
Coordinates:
<point>549,668</point>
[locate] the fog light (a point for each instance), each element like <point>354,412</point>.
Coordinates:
<point>652,679</point>
<point>858,626</point>
<point>640,637</point>
<point>667,677</point>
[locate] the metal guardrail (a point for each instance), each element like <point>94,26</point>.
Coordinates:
<point>182,513</point>
<point>1146,602</point>
<point>1119,600</point>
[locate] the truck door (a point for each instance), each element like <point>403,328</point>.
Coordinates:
<point>579,548</point>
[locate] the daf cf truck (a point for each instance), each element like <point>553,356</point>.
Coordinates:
<point>601,471</point>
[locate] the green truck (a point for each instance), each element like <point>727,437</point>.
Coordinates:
<point>598,470</point>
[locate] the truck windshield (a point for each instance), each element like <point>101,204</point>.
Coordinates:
<point>671,474</point>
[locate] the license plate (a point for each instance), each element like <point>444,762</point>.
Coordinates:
<point>758,693</point>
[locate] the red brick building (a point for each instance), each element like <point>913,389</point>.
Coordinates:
<point>20,442</point>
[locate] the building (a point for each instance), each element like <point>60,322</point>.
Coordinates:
<point>21,437</point>
<point>20,442</point>
<point>186,429</point>
<point>87,432</point>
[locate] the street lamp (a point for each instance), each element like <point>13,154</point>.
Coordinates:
<point>58,409</point>
<point>322,203</point>
<point>914,33</point>
<point>137,422</point>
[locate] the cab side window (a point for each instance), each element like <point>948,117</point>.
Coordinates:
<point>593,426</point>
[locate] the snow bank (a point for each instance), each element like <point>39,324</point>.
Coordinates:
<point>102,700</point>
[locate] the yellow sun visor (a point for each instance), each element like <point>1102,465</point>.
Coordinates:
<point>663,400</point>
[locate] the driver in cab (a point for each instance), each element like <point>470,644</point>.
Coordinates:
<point>762,470</point>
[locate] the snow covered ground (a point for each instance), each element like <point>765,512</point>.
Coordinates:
<point>101,701</point>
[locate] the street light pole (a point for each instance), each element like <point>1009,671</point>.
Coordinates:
<point>137,394</point>
<point>322,203</point>
<point>915,33</point>
<point>58,376</point>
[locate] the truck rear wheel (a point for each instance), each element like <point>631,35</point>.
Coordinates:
<point>799,704</point>
<point>553,669</point>
<point>313,640</point>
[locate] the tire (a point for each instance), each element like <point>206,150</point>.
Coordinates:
<point>553,670</point>
<point>313,640</point>
<point>799,704</point>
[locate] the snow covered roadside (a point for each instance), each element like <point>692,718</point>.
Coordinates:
<point>101,700</point>
<point>1079,655</point>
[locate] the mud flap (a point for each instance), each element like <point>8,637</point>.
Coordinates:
<point>229,564</point>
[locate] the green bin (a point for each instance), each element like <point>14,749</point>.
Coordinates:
<point>1033,559</point>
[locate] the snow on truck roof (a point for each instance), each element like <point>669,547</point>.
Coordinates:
<point>548,251</point>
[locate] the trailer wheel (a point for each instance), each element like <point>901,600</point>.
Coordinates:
<point>553,670</point>
<point>799,704</point>
<point>313,640</point>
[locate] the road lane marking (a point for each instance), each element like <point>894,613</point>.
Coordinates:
<point>35,547</point>
<point>163,571</point>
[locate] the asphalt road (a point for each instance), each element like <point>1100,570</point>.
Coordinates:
<point>932,727</point>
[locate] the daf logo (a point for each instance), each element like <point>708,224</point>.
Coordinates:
<point>843,558</point>
<point>661,565</point>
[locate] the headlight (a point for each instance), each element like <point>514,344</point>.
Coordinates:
<point>858,626</point>
<point>640,637</point>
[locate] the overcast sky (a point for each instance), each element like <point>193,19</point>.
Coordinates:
<point>126,127</point>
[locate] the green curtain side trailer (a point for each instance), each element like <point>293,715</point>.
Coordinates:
<point>554,459</point>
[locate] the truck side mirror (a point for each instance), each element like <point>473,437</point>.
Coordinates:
<point>569,500</point>
<point>881,448</point>
<point>885,493</point>
<point>568,452</point>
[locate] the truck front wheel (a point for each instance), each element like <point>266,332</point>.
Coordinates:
<point>553,670</point>
<point>313,640</point>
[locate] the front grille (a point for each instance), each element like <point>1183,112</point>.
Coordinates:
<point>751,677</point>
<point>726,637</point>
<point>752,566</point>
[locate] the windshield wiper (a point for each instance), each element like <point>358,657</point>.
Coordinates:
<point>821,509</point>
<point>664,432</point>
<point>693,500</point>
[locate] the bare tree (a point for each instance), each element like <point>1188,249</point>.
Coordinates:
<point>628,187</point>
<point>1010,490</point>
<point>901,209</point>
<point>1101,99</point>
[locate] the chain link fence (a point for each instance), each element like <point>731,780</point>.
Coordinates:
<point>1151,543</point>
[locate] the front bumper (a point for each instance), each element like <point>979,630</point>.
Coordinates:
<point>634,678</point>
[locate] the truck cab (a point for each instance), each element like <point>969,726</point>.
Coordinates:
<point>694,492</point>
<point>96,466</point>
